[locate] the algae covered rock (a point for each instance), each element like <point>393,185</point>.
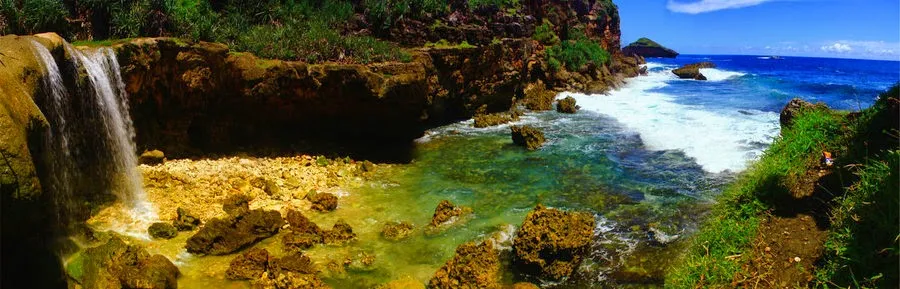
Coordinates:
<point>249,265</point>
<point>527,136</point>
<point>566,105</point>
<point>117,264</point>
<point>492,119</point>
<point>162,231</point>
<point>692,71</point>
<point>224,236</point>
<point>152,157</point>
<point>340,233</point>
<point>446,213</point>
<point>185,221</point>
<point>396,231</point>
<point>551,243</point>
<point>324,202</point>
<point>303,232</point>
<point>473,266</point>
<point>538,97</point>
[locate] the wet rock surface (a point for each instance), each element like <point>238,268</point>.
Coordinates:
<point>473,266</point>
<point>538,97</point>
<point>117,264</point>
<point>185,221</point>
<point>324,202</point>
<point>340,233</point>
<point>552,243</point>
<point>302,234</point>
<point>566,105</point>
<point>529,137</point>
<point>162,231</point>
<point>692,71</point>
<point>152,157</point>
<point>230,234</point>
<point>446,213</point>
<point>249,265</point>
<point>395,231</point>
<point>266,271</point>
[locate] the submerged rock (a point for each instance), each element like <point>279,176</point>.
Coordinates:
<point>288,280</point>
<point>446,213</point>
<point>527,136</point>
<point>224,236</point>
<point>403,283</point>
<point>566,105</point>
<point>340,233</point>
<point>473,266</point>
<point>692,71</point>
<point>292,271</point>
<point>396,231</point>
<point>303,232</point>
<point>185,221</point>
<point>551,243</point>
<point>162,231</point>
<point>117,264</point>
<point>324,202</point>
<point>152,157</point>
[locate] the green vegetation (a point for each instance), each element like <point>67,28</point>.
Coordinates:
<point>576,53</point>
<point>443,43</point>
<point>647,42</point>
<point>475,4</point>
<point>545,35</point>
<point>861,249</point>
<point>33,16</point>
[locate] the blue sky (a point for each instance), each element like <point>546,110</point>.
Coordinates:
<point>868,29</point>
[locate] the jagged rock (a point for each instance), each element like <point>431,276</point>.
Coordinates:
<point>551,243</point>
<point>645,47</point>
<point>566,105</point>
<point>224,236</point>
<point>162,231</point>
<point>446,213</point>
<point>396,231</point>
<point>184,221</point>
<point>303,232</point>
<point>340,233</point>
<point>237,204</point>
<point>527,136</point>
<point>793,108</point>
<point>473,266</point>
<point>538,97</point>
<point>324,202</point>
<point>296,262</point>
<point>288,280</point>
<point>249,265</point>
<point>367,166</point>
<point>117,264</point>
<point>692,71</point>
<point>152,157</point>
<point>492,119</point>
<point>300,224</point>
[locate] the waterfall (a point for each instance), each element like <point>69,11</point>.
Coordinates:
<point>89,148</point>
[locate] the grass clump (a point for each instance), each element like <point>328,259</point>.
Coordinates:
<point>544,34</point>
<point>575,52</point>
<point>443,43</point>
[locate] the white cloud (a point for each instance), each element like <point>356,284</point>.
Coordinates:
<point>703,6</point>
<point>837,47</point>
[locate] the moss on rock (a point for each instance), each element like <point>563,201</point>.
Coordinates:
<point>473,266</point>
<point>396,231</point>
<point>552,243</point>
<point>527,136</point>
<point>566,105</point>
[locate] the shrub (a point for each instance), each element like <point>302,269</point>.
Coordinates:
<point>544,34</point>
<point>34,16</point>
<point>475,4</point>
<point>576,53</point>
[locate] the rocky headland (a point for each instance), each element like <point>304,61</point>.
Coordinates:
<point>645,47</point>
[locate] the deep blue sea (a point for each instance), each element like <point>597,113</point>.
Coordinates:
<point>647,159</point>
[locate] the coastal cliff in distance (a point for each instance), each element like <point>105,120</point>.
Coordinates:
<point>645,47</point>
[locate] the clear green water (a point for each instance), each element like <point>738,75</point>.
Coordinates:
<point>589,163</point>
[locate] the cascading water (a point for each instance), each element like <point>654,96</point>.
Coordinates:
<point>90,144</point>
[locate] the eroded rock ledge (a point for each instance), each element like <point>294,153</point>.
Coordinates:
<point>188,98</point>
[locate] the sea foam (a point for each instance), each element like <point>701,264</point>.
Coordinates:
<point>715,74</point>
<point>719,140</point>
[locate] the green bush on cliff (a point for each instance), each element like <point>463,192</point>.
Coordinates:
<point>475,4</point>
<point>33,16</point>
<point>383,13</point>
<point>544,34</point>
<point>576,53</point>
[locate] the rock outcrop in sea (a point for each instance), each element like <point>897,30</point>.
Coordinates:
<point>527,136</point>
<point>692,71</point>
<point>645,47</point>
<point>552,243</point>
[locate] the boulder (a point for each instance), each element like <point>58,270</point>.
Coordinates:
<point>692,71</point>
<point>117,264</point>
<point>249,265</point>
<point>162,231</point>
<point>566,105</point>
<point>396,231</point>
<point>324,202</point>
<point>551,243</point>
<point>645,47</point>
<point>185,221</point>
<point>527,136</point>
<point>227,235</point>
<point>492,119</point>
<point>473,266</point>
<point>538,97</point>
<point>152,157</point>
<point>446,213</point>
<point>236,204</point>
<point>340,233</point>
<point>303,232</point>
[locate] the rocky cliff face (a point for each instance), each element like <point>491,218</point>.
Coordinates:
<point>192,98</point>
